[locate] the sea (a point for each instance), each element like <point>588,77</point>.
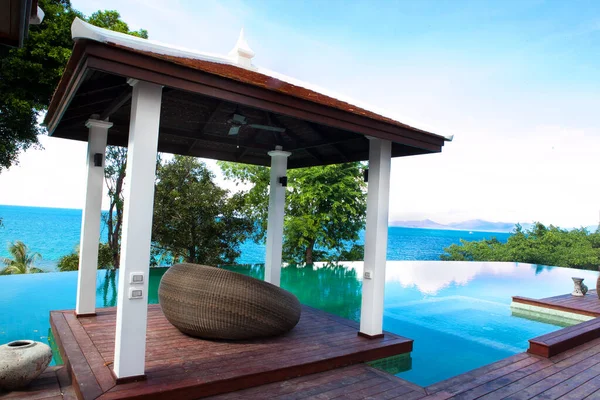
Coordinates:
<point>54,232</point>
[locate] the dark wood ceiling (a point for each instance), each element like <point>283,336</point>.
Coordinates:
<point>197,124</point>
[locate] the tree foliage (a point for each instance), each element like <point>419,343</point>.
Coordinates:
<point>111,19</point>
<point>541,245</point>
<point>325,209</point>
<point>115,166</point>
<point>195,220</point>
<point>29,75</point>
<point>22,260</point>
<point>70,262</point>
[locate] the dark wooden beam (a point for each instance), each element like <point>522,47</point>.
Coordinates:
<point>202,131</point>
<point>117,103</point>
<point>242,151</point>
<point>322,135</point>
<point>227,140</point>
<point>299,141</point>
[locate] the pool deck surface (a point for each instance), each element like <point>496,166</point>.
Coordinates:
<point>52,384</point>
<point>182,367</point>
<point>588,305</point>
<point>328,360</point>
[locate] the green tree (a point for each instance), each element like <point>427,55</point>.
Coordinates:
<point>543,245</point>
<point>111,19</point>
<point>22,261</point>
<point>325,209</point>
<point>114,176</point>
<point>29,75</point>
<point>70,262</point>
<point>195,220</point>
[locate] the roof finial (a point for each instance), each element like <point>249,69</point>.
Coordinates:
<point>242,54</point>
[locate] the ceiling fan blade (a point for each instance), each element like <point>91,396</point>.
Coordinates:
<point>234,130</point>
<point>238,119</point>
<point>267,128</point>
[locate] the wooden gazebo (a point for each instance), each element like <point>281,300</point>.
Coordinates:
<point>122,90</point>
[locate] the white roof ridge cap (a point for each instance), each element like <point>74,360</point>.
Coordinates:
<point>84,30</point>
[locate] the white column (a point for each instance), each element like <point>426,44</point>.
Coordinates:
<point>90,220</point>
<point>132,312</point>
<point>276,213</point>
<point>376,237</point>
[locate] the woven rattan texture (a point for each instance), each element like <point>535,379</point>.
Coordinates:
<point>214,303</point>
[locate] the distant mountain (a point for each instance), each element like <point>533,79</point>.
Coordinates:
<point>426,223</point>
<point>481,225</point>
<point>471,225</point>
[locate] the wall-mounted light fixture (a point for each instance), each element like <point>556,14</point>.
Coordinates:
<point>98,160</point>
<point>366,175</point>
<point>283,181</point>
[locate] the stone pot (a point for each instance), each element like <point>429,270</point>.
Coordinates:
<point>21,362</point>
<point>580,289</point>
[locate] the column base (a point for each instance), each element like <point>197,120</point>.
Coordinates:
<point>84,315</point>
<point>128,379</point>
<point>367,336</point>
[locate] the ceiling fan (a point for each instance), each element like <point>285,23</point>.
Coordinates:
<point>237,121</point>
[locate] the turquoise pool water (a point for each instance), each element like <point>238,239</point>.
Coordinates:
<point>458,313</point>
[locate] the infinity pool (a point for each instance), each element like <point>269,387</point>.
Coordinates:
<point>458,313</point>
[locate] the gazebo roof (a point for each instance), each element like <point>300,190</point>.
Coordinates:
<point>203,92</point>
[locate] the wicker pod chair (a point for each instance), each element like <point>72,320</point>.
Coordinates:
<point>214,303</point>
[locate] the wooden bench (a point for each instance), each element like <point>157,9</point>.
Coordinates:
<point>554,343</point>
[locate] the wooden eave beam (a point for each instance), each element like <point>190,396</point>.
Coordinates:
<point>117,103</point>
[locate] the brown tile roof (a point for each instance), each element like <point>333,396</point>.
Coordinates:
<point>268,82</point>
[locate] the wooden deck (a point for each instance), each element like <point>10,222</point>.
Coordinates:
<point>588,305</point>
<point>353,382</point>
<point>52,384</point>
<point>181,367</point>
<point>571,375</point>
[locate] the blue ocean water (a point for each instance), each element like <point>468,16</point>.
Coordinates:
<point>54,232</point>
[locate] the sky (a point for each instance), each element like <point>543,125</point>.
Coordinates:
<point>516,82</point>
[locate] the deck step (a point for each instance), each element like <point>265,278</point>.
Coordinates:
<point>557,342</point>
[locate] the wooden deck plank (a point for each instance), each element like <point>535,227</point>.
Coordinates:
<point>83,379</point>
<point>583,391</point>
<point>179,366</point>
<point>478,380</point>
<point>586,305</point>
<point>44,387</point>
<point>101,372</point>
<point>354,382</point>
<point>564,339</point>
<point>578,380</point>
<point>557,364</point>
<point>468,376</point>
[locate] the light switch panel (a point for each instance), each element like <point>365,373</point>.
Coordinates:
<point>135,293</point>
<point>136,278</point>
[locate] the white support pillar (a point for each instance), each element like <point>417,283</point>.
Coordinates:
<point>132,305</point>
<point>90,220</point>
<point>276,214</point>
<point>376,238</point>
